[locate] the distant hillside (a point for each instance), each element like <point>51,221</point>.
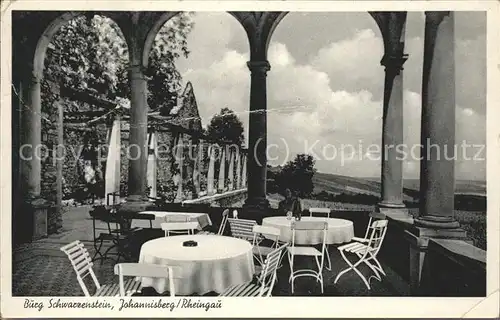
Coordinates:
<point>334,183</point>
<point>337,184</point>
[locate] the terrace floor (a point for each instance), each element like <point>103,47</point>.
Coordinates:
<point>41,269</point>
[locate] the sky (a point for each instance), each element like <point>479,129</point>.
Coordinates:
<point>325,87</point>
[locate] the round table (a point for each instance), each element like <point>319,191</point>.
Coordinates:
<point>217,263</point>
<point>339,230</point>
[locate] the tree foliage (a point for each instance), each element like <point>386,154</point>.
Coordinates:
<point>297,176</point>
<point>226,127</point>
<point>90,54</point>
<point>170,44</point>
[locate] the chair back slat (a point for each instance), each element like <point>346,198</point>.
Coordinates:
<point>76,253</point>
<point>81,257</point>
<point>322,211</point>
<point>72,247</point>
<point>170,218</point>
<point>179,225</point>
<point>188,227</point>
<point>242,228</point>
<point>83,268</point>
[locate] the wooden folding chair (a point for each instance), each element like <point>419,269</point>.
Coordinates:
<point>222,227</point>
<point>366,252</point>
<point>184,227</point>
<point>260,233</point>
<point>82,264</point>
<point>266,280</point>
<point>319,256</point>
<point>106,228</point>
<point>242,228</point>
<point>138,270</point>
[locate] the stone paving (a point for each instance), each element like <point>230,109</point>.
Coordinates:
<point>41,269</point>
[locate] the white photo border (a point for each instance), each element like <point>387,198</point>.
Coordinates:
<point>337,307</point>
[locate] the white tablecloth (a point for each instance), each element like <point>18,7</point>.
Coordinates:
<point>202,218</point>
<point>339,230</point>
<point>215,264</point>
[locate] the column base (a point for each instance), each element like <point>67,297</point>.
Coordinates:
<point>436,222</point>
<point>395,211</point>
<point>391,205</point>
<point>55,219</point>
<point>31,221</point>
<point>255,209</point>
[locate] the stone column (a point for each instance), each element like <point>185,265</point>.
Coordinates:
<point>238,168</point>
<point>31,138</point>
<point>392,134</point>
<point>257,138</point>
<point>179,160</point>
<point>230,174</point>
<point>244,172</point>
<point>437,169</point>
<point>437,174</point>
<point>197,169</point>
<point>60,154</point>
<point>222,170</point>
<point>211,171</point>
<point>138,135</point>
<point>152,165</point>
<point>32,222</point>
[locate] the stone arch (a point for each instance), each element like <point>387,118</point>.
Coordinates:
<point>392,26</point>
<point>151,35</point>
<point>382,19</point>
<point>153,32</point>
<point>48,34</point>
<point>46,38</point>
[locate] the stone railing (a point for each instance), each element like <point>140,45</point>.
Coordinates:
<point>434,266</point>
<point>453,268</point>
<point>225,199</point>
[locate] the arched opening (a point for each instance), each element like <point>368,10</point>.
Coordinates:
<point>206,104</point>
<point>325,98</point>
<point>82,62</point>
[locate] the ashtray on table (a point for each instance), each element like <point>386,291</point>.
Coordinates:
<point>190,243</point>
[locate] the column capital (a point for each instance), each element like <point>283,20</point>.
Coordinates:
<point>436,17</point>
<point>259,67</point>
<point>393,62</point>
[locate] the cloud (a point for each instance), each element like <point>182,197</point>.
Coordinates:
<point>209,46</point>
<point>223,83</point>
<point>353,63</point>
<point>329,104</point>
<point>470,70</point>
